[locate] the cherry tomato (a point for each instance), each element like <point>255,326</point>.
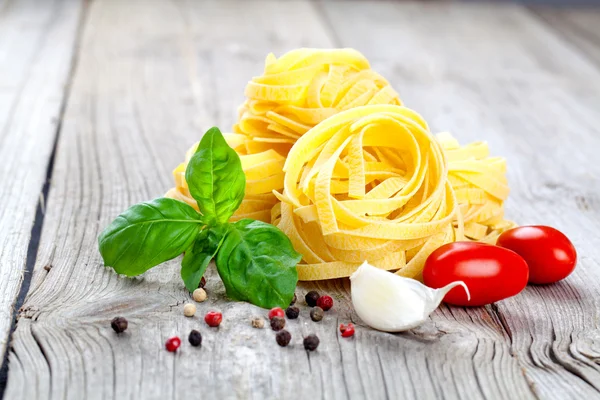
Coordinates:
<point>491,273</point>
<point>549,254</point>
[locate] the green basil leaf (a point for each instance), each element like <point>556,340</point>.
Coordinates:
<point>148,234</point>
<point>197,257</point>
<point>257,263</point>
<point>215,178</point>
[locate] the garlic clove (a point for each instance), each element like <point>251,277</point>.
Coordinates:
<point>392,303</point>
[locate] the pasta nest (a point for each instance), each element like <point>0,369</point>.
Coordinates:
<point>370,183</point>
<point>302,88</point>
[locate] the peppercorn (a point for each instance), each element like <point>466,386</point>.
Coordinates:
<point>294,299</point>
<point>202,283</point>
<point>258,322</point>
<point>283,338</point>
<point>189,310</point>
<point>325,302</point>
<point>311,342</point>
<point>292,312</point>
<point>195,338</point>
<point>276,312</point>
<point>277,323</point>
<point>199,295</point>
<point>311,298</point>
<point>347,330</point>
<point>316,314</point>
<point>119,324</point>
<point>213,318</point>
<point>173,344</point>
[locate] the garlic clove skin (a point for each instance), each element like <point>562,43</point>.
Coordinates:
<point>392,303</point>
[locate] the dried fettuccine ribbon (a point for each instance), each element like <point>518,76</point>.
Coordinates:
<point>480,185</point>
<point>370,183</point>
<point>296,92</point>
<point>264,173</point>
<point>304,87</point>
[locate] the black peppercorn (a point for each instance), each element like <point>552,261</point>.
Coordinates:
<point>292,312</point>
<point>294,299</point>
<point>277,323</point>
<point>195,338</point>
<point>283,338</point>
<point>316,314</point>
<point>119,324</point>
<point>311,298</point>
<point>202,283</point>
<point>311,342</point>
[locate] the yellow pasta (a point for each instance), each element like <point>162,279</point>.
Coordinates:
<point>392,204</point>
<point>296,92</point>
<point>334,160</point>
<point>304,87</point>
<point>480,184</point>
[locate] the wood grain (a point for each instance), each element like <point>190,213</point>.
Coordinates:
<point>579,26</point>
<point>153,75</point>
<point>36,49</point>
<point>509,79</point>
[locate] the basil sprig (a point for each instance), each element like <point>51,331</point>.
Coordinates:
<point>255,260</point>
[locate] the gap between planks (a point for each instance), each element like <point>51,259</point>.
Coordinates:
<point>38,222</point>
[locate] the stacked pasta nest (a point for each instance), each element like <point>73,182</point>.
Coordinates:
<point>334,160</point>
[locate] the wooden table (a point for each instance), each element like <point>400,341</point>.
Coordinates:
<point>99,101</point>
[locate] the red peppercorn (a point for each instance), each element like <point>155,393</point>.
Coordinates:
<point>173,344</point>
<point>213,318</point>
<point>276,312</point>
<point>347,330</point>
<point>325,302</point>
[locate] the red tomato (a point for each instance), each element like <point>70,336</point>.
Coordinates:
<point>491,273</point>
<point>549,254</point>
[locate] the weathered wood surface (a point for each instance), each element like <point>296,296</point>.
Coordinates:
<point>36,48</point>
<point>580,26</point>
<point>152,76</point>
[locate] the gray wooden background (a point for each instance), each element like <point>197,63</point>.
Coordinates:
<point>99,101</point>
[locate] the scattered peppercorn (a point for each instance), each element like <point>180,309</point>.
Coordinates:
<point>119,324</point>
<point>48,267</point>
<point>189,310</point>
<point>311,342</point>
<point>276,312</point>
<point>294,299</point>
<point>277,323</point>
<point>311,298</point>
<point>195,338</point>
<point>347,330</point>
<point>258,322</point>
<point>213,318</point>
<point>292,312</point>
<point>316,314</point>
<point>199,295</point>
<point>173,344</point>
<point>325,302</point>
<point>202,283</point>
<point>283,338</point>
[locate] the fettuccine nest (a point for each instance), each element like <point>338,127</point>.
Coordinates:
<point>333,159</point>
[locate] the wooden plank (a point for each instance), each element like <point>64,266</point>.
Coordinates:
<point>496,73</point>
<point>580,26</point>
<point>36,49</point>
